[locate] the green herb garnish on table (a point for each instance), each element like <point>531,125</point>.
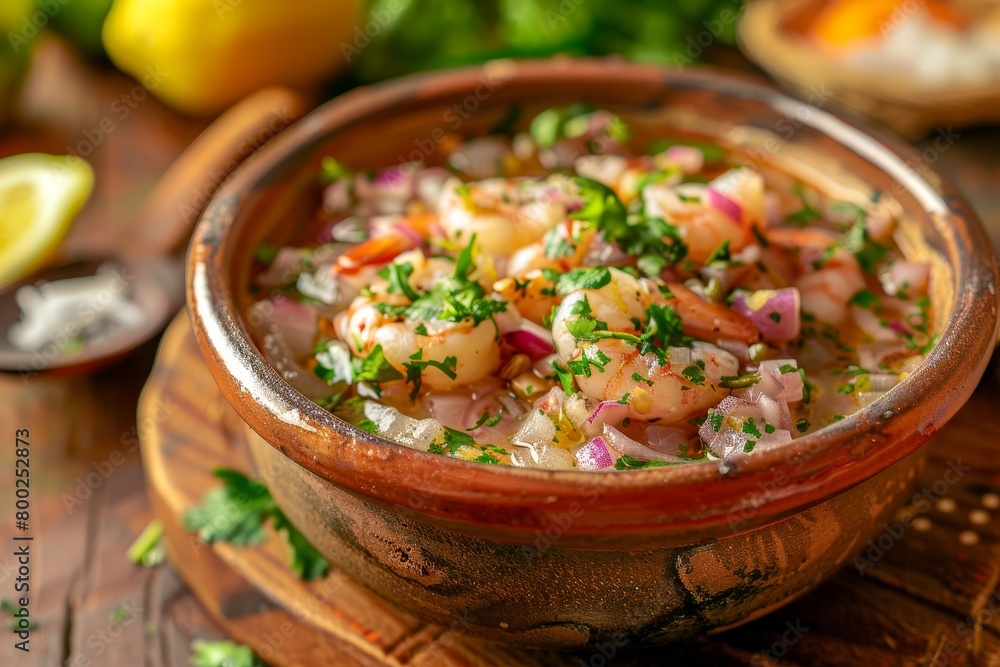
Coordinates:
<point>236,514</point>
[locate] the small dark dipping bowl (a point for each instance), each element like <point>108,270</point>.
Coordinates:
<point>566,559</point>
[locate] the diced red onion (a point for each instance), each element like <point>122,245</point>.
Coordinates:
<point>429,183</point>
<point>452,410</point>
<point>627,445</point>
<point>762,408</point>
<point>739,194</point>
<point>724,204</point>
<point>551,402</point>
<point>390,225</point>
<point>760,306</point>
<point>604,168</point>
<point>511,406</point>
<point>774,365</point>
<point>774,214</point>
<point>680,356</point>
<point>696,191</point>
<point>297,323</point>
<point>531,339</point>
<point>547,456</point>
<point>595,455</point>
<point>602,252</point>
<point>687,158</point>
<point>337,196</point>
<point>285,268</point>
<point>871,324</point>
<point>879,223</point>
<point>779,437</point>
<point>737,348</point>
<point>906,277</point>
<point>606,412</point>
<point>665,439</point>
<point>882,381</point>
<point>276,349</point>
<point>871,355</point>
<point>480,158</point>
<point>544,365</point>
<point>899,327</point>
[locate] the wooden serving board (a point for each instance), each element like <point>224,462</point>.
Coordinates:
<point>929,596</point>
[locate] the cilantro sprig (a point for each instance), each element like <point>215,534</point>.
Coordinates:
<point>455,298</point>
<point>654,242</point>
<point>237,512</point>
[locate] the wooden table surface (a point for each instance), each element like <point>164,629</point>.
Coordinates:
<point>937,587</point>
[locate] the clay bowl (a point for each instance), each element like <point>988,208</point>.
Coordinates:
<point>568,559</point>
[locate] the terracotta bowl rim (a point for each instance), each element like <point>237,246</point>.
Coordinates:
<point>827,462</point>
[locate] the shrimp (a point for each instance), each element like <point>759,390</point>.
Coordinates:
<point>506,213</point>
<point>702,227</point>
<point>828,275</point>
<point>533,296</point>
<point>609,368</point>
<point>706,320</point>
<point>474,346</point>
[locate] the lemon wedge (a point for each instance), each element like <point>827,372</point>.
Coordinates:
<point>40,196</point>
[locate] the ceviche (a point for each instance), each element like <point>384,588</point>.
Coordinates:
<point>570,297</point>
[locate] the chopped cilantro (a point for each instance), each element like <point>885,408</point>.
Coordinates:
<point>487,458</point>
<point>557,245</point>
<point>398,276</point>
<point>565,378</point>
<point>550,126</point>
<point>579,279</point>
<point>807,213</point>
<point>694,375</point>
<point>454,440</point>
<point>739,381</point>
<point>486,419</point>
<point>764,243</point>
<point>626,462</point>
<point>624,399</point>
<point>858,241</point>
<point>372,369</point>
<point>750,428</point>
<point>748,447</point>
<point>591,356</point>
<point>802,425</point>
<point>715,419</point>
<point>265,253</point>
<point>368,426</point>
<point>638,378</point>
<point>720,254</point>
<point>331,170</point>
<point>417,365</point>
<point>864,299</point>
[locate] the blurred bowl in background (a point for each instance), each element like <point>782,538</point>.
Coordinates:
<point>882,58</point>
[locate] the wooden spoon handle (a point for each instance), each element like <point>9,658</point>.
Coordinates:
<point>172,209</point>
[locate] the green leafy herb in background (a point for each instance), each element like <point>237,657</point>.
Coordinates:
<point>236,513</point>
<point>459,32</point>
